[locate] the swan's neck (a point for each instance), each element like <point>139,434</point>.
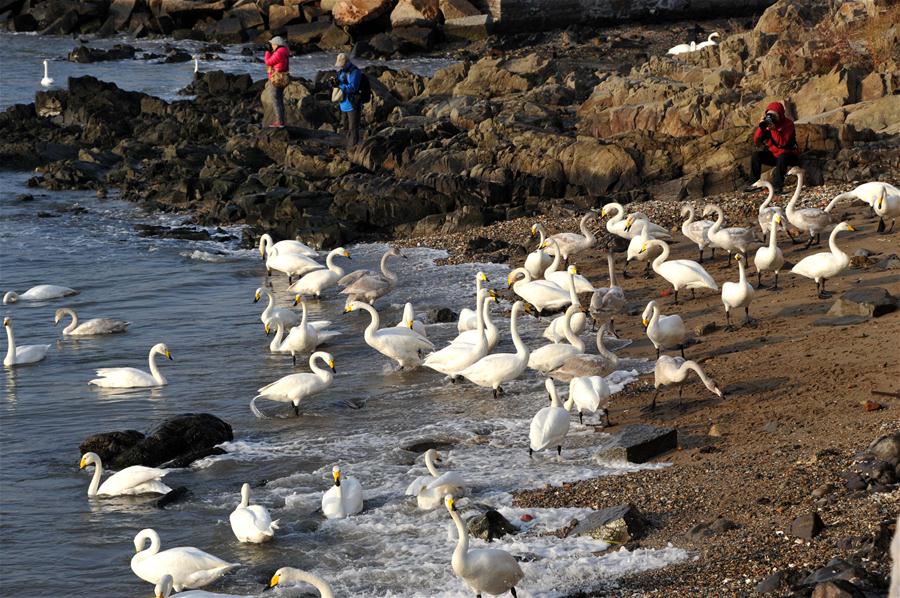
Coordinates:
<point>374,323</point>
<point>611,267</point>
<point>10,345</point>
<point>720,220</point>
<point>154,545</point>
<point>601,348</point>
<point>318,371</point>
<point>461,552</point>
<point>154,371</point>
<point>791,205</point>
<point>743,273</point>
<point>329,262</point>
<point>74,323</point>
<point>690,217</point>
<point>573,296</point>
<point>832,244</point>
<point>693,365</point>
<point>46,74</point>
<point>543,237</point>
<point>429,463</point>
<point>264,242</point>
<point>773,241</point>
<point>654,317</point>
<point>662,257</point>
<point>271,304</point>
<point>95,481</point>
<point>587,232</point>
<point>771,188</point>
<point>620,213</point>
<point>384,269</point>
<point>554,398</point>
<point>567,331</point>
<point>317,582</point>
<point>556,259</point>
<point>488,323</point>
<point>245,497</point>
<point>303,316</point>
<point>521,349</point>
<point>279,336</point>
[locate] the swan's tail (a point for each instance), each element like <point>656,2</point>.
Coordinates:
<point>274,525</point>
<point>256,411</point>
<point>326,335</point>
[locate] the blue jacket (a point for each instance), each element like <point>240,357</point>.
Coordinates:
<point>348,81</point>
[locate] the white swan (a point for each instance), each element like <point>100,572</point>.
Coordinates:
<point>736,295</point>
<point>554,332</point>
<point>23,354</point>
<point>295,387</point>
<point>601,364</point>
<point>887,206</point>
<point>561,278</point>
<point>266,245</point>
<point>550,425</point>
<point>403,345</point>
<point>131,481</point>
<point>734,239</point>
<point>289,575</point>
<point>541,294</point>
<point>812,220</point>
<point>591,394</point>
<point>430,490</point>
<point>681,274</point>
<point>549,357</point>
<point>189,567</point>
<point>709,41</point>
<point>568,244</point>
<point>827,264</point>
<point>468,318</point>
<point>315,282</point>
<point>675,370</point>
<point>164,588</point>
<point>485,570</point>
<point>133,377</point>
<point>46,81</point>
<point>456,357</point>
<point>607,302</point>
<point>538,260</point>
<point>493,370</point>
<point>770,256</point>
<point>665,332</point>
<point>89,327</point>
<point>292,264</point>
<point>696,230</point>
<point>409,321</point>
<point>271,315</point>
<point>637,243</point>
<point>768,212</point>
<point>41,292</point>
<point>682,49</point>
<point>616,224</point>
<point>470,337</point>
<point>343,499</point>
<point>870,193</point>
<point>251,523</point>
<point>304,337</point>
<point>372,286</point>
<point>895,557</point>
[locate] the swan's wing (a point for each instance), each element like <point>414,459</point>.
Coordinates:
<point>123,377</point>
<point>353,495</point>
<point>492,565</point>
<point>467,320</point>
<point>367,284</point>
<point>131,478</point>
<point>549,425</point>
<point>615,344</point>
<point>327,335</point>
<point>320,324</point>
<point>449,478</point>
<point>347,280</point>
<point>280,386</point>
<point>418,484</point>
<point>31,353</point>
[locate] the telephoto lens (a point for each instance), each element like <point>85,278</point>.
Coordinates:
<point>770,119</point>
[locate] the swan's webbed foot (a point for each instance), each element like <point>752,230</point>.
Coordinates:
<point>297,410</point>
<point>605,414</point>
<point>881,226</point>
<point>512,591</point>
<point>682,352</point>
<point>824,294</point>
<point>294,359</point>
<point>530,453</point>
<point>809,243</point>
<point>581,418</point>
<point>647,275</point>
<point>559,450</point>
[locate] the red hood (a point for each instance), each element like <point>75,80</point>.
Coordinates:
<point>776,107</point>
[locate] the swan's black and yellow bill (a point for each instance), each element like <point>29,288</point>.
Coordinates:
<point>274,581</point>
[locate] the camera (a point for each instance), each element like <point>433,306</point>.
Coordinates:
<point>769,119</point>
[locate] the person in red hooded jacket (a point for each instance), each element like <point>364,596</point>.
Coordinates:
<point>277,60</point>
<point>775,133</point>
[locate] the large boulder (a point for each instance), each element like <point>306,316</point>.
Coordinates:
<point>827,92</point>
<point>457,9</point>
<point>351,13</point>
<point>281,16</point>
<point>305,33</point>
<point>178,440</point>
<point>473,28</point>
<point>409,13</point>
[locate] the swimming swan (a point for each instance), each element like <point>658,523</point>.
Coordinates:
<point>554,332</point>
<point>46,81</point>
<point>485,570</point>
<point>164,588</point>
<point>734,239</point>
<point>681,274</point>
<point>470,337</point>
<point>541,294</point>
<point>41,292</point>
<point>665,332</point>
<point>493,370</point>
<point>550,425</point>
<point>430,490</point>
<point>675,370</point>
<point>22,354</point>
<point>315,282</point>
<point>591,394</point>
<point>561,278</point>
<point>812,220</point>
<point>538,260</point>
<point>403,345</point>
<point>770,256</point>
<point>295,387</point>
<point>344,498</point>
<point>133,377</point>
<point>372,286</point>
<point>468,318</point>
<point>189,567</point>
<point>409,321</point>
<point>285,247</point>
<point>292,264</point>
<point>251,523</point>
<point>827,264</point>
<point>89,327</point>
<point>696,230</point>
<point>549,357</point>
<point>736,295</point>
<point>456,357</point>
<point>130,481</point>
<point>271,315</point>
<point>289,575</point>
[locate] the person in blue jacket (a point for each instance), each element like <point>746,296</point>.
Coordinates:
<point>348,80</point>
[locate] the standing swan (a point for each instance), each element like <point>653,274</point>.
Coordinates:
<point>696,230</point>
<point>344,498</point>
<point>266,245</point>
<point>767,213</point>
<point>492,335</point>
<point>681,274</point>
<point>315,282</point>
<point>554,332</point>
<point>456,357</point>
<point>587,364</point>
<point>46,81</point>
<point>164,588</point>
<point>736,295</point>
<point>568,244</point>
<point>24,354</point>
<point>289,575</point>
<point>41,292</point>
<point>665,332</point>
<point>550,425</point>
<point>591,394</point>
<point>468,319</point>
<point>636,243</point>
<point>770,257</point>
<point>551,356</point>
<point>485,570</point>
<point>90,327</point>
<point>870,193</point>
<point>812,220</point>
<point>371,286</point>
<point>305,336</point>
<point>734,239</point>
<point>133,377</point>
<point>561,278</point>
<point>538,260</point>
<point>608,301</point>
<point>189,567</point>
<point>251,523</point>
<point>292,264</point>
<point>430,490</point>
<point>493,370</point>
<point>294,387</point>
<point>403,345</point>
<point>675,370</point>
<point>409,321</point>
<point>271,315</point>
<point>542,294</point>
<point>131,481</point>
<point>827,264</point>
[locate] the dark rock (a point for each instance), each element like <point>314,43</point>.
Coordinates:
<point>85,54</point>
<point>424,444</point>
<point>706,329</point>
<point>164,232</point>
<point>306,33</point>
<point>854,481</point>
<point>176,495</point>
<point>887,448</point>
<point>490,525</point>
<point>837,589</point>
<point>175,437</point>
<point>441,315</point>
<point>413,39</point>
<point>771,583</point>
<point>891,262</point>
<point>807,526</point>
<point>871,302</point>
<point>638,443</point>
<point>835,569</point>
<point>109,444</point>
<point>190,457</point>
<point>24,197</point>
<point>615,525</point>
<point>702,531</point>
<point>334,38</point>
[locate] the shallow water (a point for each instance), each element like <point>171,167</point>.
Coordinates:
<point>198,298</point>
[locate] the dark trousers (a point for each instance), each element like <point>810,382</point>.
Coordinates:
<point>278,102</point>
<point>781,164</point>
<point>351,125</point>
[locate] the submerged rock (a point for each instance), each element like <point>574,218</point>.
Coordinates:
<point>616,525</point>
<point>489,525</point>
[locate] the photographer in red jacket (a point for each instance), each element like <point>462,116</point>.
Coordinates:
<point>776,133</point>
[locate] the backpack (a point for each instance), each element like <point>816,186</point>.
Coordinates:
<point>365,89</point>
